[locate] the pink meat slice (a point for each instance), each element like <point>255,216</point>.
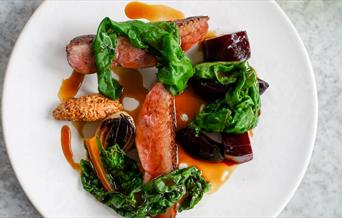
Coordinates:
<point>81,58</point>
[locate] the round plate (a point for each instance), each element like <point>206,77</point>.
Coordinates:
<point>282,142</point>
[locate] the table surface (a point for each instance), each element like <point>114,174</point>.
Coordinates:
<point>319,24</point>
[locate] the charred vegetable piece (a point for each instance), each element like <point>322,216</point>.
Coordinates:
<point>263,85</point>
<point>118,129</point>
<point>237,147</point>
<point>208,89</point>
<point>200,146</point>
<point>230,47</point>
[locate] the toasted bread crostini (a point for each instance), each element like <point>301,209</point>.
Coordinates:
<point>87,108</point>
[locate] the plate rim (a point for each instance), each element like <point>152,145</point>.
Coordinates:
<point>302,47</point>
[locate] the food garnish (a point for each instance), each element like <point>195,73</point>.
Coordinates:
<point>118,128</point>
<point>160,39</point>
<point>86,108</point>
<point>133,198</point>
<point>238,111</point>
<point>81,58</point>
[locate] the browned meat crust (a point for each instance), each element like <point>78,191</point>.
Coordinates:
<point>81,58</point>
<point>87,108</point>
<point>80,54</point>
<point>155,134</point>
<point>192,30</point>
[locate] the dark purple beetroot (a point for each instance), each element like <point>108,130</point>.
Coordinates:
<point>263,85</point>
<point>237,147</point>
<point>209,90</point>
<point>230,47</point>
<point>201,146</point>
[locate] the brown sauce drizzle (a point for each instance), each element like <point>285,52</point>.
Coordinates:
<point>66,146</point>
<point>138,10</point>
<point>70,86</point>
<point>215,173</point>
<point>132,83</point>
<point>188,104</point>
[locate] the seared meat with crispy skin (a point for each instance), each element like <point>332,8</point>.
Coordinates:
<point>81,58</point>
<point>87,108</point>
<point>155,134</point>
<point>155,137</point>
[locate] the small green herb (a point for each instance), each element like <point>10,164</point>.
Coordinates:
<point>131,197</point>
<point>159,38</point>
<point>239,110</point>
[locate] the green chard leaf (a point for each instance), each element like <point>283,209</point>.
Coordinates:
<point>239,110</point>
<point>132,198</point>
<point>159,38</point>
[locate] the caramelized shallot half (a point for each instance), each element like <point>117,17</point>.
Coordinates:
<point>118,128</point>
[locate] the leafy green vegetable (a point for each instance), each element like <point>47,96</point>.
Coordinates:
<point>239,110</point>
<point>131,197</point>
<point>159,38</point>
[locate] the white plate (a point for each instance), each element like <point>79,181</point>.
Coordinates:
<point>283,140</point>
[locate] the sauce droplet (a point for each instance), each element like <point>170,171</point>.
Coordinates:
<point>66,146</point>
<point>70,86</point>
<point>215,173</point>
<point>188,104</point>
<point>138,10</point>
<point>210,34</point>
<point>133,87</point>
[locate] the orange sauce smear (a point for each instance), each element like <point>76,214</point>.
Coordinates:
<point>70,86</point>
<point>66,146</point>
<point>215,173</point>
<point>138,10</point>
<point>210,34</point>
<point>188,104</point>
<point>132,83</point>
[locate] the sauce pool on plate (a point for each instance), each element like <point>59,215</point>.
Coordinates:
<point>188,104</point>
<point>138,10</point>
<point>70,86</point>
<point>215,173</point>
<point>133,87</point>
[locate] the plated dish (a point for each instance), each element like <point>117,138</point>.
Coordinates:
<point>45,159</point>
<point>205,111</point>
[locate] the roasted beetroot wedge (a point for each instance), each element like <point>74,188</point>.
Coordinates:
<point>237,147</point>
<point>230,47</point>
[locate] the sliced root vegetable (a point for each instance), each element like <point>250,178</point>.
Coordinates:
<point>263,85</point>
<point>94,154</point>
<point>230,47</point>
<point>208,89</point>
<point>237,147</point>
<point>200,146</point>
